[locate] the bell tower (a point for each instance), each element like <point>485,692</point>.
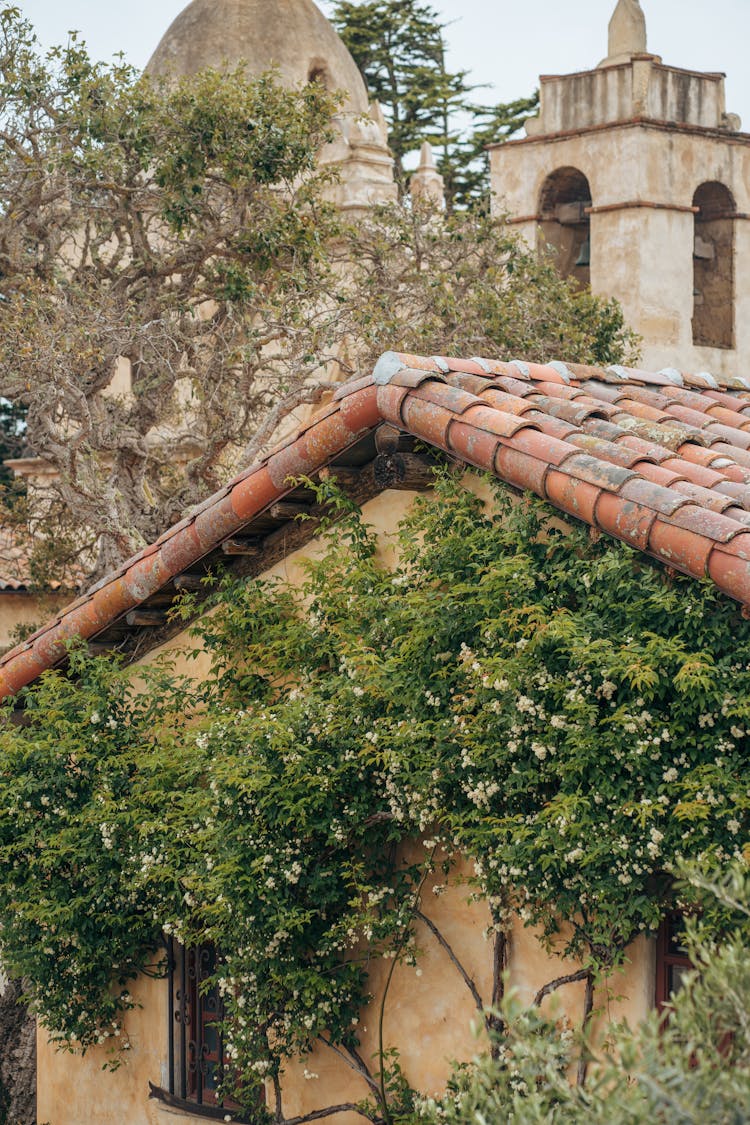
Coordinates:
<point>637,181</point>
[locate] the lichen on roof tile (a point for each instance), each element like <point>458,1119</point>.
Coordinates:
<point>660,460</point>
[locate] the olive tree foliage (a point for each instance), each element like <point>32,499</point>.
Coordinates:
<point>465,284</point>
<point>562,711</point>
<point>686,1068</point>
<point>181,232</point>
<point>178,230</point>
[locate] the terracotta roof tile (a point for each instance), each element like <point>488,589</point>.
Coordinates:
<point>661,460</point>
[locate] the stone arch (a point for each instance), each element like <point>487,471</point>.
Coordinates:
<point>565,224</point>
<point>713,266</point>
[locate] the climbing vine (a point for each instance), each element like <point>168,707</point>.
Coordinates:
<point>554,706</point>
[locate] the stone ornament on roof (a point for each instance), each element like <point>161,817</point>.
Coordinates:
<point>427,183</point>
<point>627,33</point>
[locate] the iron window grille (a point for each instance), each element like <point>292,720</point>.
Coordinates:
<point>196,1054</point>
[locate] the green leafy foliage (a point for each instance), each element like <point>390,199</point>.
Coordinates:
<point>162,269</point>
<point>175,280</point>
<point>464,163</point>
<point>466,282</point>
<point>559,709</point>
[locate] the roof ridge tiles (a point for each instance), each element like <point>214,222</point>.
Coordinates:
<point>571,411</point>
<point>667,432</point>
<point>607,450</point>
<point>599,391</point>
<point>738,493</point>
<point>738,439</point>
<point>709,499</point>
<point>594,470</point>
<point>730,399</point>
<point>732,453</point>
<point>508,403</point>
<point>559,390</point>
<point>737,418</point>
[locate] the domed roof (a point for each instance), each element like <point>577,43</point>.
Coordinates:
<point>292,35</point>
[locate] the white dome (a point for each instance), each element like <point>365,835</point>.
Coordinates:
<point>292,35</point>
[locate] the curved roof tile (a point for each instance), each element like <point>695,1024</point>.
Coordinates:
<point>660,462</point>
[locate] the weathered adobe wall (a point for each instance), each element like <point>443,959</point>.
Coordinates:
<point>24,609</point>
<point>631,89</point>
<point>429,1015</point>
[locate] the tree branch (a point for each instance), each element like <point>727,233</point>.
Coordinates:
<point>588,1008</point>
<point>316,1115</point>
<point>453,958</point>
<point>558,982</point>
<point>355,1061</point>
<point>494,1022</point>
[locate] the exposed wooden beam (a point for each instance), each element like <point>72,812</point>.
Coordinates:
<point>387,438</point>
<point>344,475</point>
<point>250,545</point>
<point>144,617</point>
<point>287,510</point>
<point>191,583</point>
<point>405,471</point>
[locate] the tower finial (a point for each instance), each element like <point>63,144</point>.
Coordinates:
<point>427,183</point>
<point>627,33</point>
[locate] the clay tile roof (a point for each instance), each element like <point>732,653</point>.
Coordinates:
<point>659,460</point>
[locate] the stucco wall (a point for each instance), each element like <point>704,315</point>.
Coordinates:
<point>642,87</point>
<point>18,609</point>
<point>430,1017</point>
<point>429,1014</point>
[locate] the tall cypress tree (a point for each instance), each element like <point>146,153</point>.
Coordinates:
<point>465,166</point>
<point>400,49</point>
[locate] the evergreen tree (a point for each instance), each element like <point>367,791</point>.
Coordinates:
<point>465,166</point>
<point>400,49</point>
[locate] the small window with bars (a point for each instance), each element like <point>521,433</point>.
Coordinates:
<point>196,1055</point>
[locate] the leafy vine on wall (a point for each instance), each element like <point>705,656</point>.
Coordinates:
<point>558,708</point>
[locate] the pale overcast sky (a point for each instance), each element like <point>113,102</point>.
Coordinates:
<point>503,43</point>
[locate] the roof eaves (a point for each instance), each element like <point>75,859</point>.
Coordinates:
<point>633,454</point>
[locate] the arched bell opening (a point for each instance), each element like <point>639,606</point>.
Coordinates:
<point>564,205</point>
<point>713,266</point>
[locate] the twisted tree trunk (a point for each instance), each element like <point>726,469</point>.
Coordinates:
<point>17,1059</point>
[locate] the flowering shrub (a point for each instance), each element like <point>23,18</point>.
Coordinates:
<point>557,707</point>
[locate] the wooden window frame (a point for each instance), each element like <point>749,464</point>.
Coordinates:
<point>668,958</point>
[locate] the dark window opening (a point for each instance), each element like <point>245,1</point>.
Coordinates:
<point>713,267</point>
<point>564,206</point>
<point>318,72</point>
<point>672,960</point>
